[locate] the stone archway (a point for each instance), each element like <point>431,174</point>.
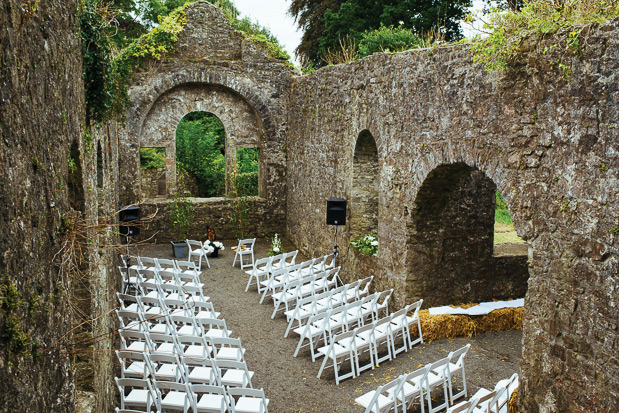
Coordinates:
<point>450,243</point>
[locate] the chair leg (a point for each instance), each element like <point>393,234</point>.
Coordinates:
<point>208,264</point>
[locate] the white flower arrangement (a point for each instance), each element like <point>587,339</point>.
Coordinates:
<point>219,245</point>
<point>367,245</point>
<point>276,246</point>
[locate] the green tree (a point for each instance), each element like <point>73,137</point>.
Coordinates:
<point>352,18</point>
<point>387,39</point>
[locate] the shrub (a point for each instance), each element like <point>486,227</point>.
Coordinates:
<point>387,39</point>
<point>367,245</point>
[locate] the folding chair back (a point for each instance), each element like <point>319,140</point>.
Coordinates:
<point>246,400</point>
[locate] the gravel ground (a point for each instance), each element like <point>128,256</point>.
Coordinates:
<point>290,383</point>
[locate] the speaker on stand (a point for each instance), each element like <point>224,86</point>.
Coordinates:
<point>125,216</point>
<point>336,216</point>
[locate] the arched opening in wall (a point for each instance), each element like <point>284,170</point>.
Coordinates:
<point>450,245</point>
<point>75,186</point>
<point>201,155</point>
<point>364,191</point>
<point>99,166</point>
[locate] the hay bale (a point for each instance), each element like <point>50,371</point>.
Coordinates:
<point>434,327</point>
<point>513,402</point>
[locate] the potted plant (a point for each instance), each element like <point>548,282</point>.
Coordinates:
<point>181,216</point>
<point>276,246</point>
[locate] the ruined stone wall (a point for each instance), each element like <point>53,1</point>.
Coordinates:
<point>213,69</point>
<point>549,146</point>
<point>41,111</point>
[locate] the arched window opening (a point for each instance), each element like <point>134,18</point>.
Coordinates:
<point>364,191</point>
<point>201,155</point>
<point>76,186</point>
<point>450,249</point>
<point>99,166</point>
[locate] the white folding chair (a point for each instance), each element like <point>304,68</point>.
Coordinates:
<point>248,400</point>
<point>196,249</point>
<point>490,403</point>
<point>383,334</point>
<point>137,393</point>
<point>133,364</point>
<point>340,350</point>
<point>456,365</point>
<point>245,247</point>
<point>364,341</point>
<point>193,346</point>
<point>166,367</point>
<point>226,348</point>
<point>438,373</point>
<point>202,370</point>
<point>234,373</point>
<point>175,396</point>
<point>467,406</point>
<point>379,400</point>
<point>209,399</point>
<point>410,388</point>
<point>259,272</point>
<point>315,328</point>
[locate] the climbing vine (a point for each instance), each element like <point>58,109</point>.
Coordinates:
<point>538,19</point>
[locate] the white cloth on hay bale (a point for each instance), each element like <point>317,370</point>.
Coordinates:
<point>481,309</point>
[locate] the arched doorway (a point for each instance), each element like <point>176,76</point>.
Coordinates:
<point>450,246</point>
<point>364,191</point>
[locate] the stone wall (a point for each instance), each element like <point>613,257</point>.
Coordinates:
<point>213,69</point>
<point>549,146</point>
<point>41,110</point>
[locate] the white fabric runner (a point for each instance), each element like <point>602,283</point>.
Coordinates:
<point>481,309</point>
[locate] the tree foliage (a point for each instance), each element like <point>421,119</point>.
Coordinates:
<point>326,23</point>
<point>387,39</point>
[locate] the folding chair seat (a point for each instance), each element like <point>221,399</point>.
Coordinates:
<point>133,340</point>
<point>379,400</point>
<point>163,343</point>
<point>259,272</point>
<point>187,267</point>
<point>438,373</point>
<point>340,350</point>
<point>175,396</point>
<point>410,388</point>
<point>248,400</point>
<point>315,329</point>
<point>202,370</point>
<point>133,364</point>
<point>193,346</point>
<point>185,326</point>
<point>166,367</point>
<point>214,327</point>
<point>165,264</point>
<point>234,373</point>
<point>196,249</point>
<point>226,348</point>
<point>210,399</point>
<point>456,365</point>
<point>383,334</point>
<point>137,393</point>
<point>467,406</point>
<point>244,248</point>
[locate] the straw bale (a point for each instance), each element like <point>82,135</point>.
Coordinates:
<point>513,402</point>
<point>434,327</point>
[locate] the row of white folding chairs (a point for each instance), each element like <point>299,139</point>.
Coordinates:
<point>351,345</point>
<point>181,273</point>
<point>399,394</point>
<point>487,401</point>
<point>323,326</point>
<point>297,288</point>
<point>151,263</point>
<point>167,396</point>
<point>308,306</point>
<point>161,306</point>
<point>278,278</point>
<point>263,267</point>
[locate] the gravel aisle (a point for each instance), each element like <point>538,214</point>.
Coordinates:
<point>290,383</point>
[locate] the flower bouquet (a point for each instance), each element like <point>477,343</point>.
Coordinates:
<point>276,246</point>
<point>367,245</point>
<point>213,247</point>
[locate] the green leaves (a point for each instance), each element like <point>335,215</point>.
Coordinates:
<point>387,39</point>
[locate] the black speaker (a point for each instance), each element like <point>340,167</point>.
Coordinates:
<point>336,211</point>
<point>128,214</point>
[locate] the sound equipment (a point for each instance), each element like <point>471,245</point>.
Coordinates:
<point>336,211</point>
<point>127,214</point>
